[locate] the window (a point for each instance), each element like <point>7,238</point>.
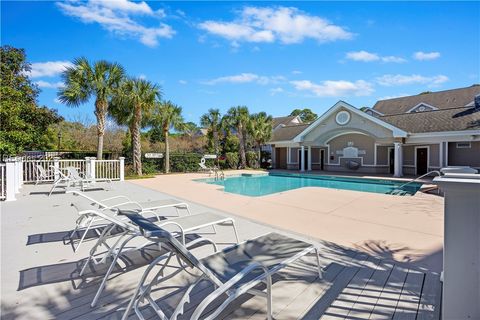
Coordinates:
<point>422,107</point>
<point>342,118</point>
<point>464,145</point>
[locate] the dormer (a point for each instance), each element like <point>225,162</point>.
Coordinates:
<point>373,112</point>
<point>422,107</point>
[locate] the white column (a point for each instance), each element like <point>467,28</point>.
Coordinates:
<point>56,164</point>
<point>122,168</point>
<point>441,154</point>
<point>92,167</point>
<point>461,246</point>
<point>397,164</point>
<point>309,167</point>
<point>10,177</point>
<point>17,175</point>
<point>20,168</point>
<point>302,156</point>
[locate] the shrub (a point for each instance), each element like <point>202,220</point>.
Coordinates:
<point>232,159</point>
<point>223,164</point>
<point>252,159</point>
<point>186,162</point>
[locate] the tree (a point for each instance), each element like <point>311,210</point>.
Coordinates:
<point>238,118</point>
<point>260,128</point>
<point>212,122</point>
<point>307,115</point>
<point>168,116</point>
<point>83,81</point>
<point>190,129</point>
<point>23,124</point>
<point>131,106</point>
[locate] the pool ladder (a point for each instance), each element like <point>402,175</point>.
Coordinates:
<point>219,174</point>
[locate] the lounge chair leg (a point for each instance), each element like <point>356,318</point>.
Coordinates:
<point>109,271</point>
<point>235,231</point>
<point>269,298</point>
<point>318,264</point>
<point>83,236</point>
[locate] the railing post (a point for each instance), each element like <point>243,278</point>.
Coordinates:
<point>461,245</point>
<point>17,175</point>
<point>20,172</point>
<point>56,164</point>
<point>122,168</point>
<point>10,177</point>
<point>92,168</point>
<point>87,167</point>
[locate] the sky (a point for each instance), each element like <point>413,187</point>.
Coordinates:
<point>270,56</point>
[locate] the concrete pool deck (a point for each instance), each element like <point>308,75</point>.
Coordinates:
<point>406,229</point>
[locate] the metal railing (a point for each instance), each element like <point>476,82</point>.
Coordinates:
<point>422,176</point>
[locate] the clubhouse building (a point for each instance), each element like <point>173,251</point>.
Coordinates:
<point>403,136</point>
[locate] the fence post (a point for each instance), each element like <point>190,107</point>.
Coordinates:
<point>10,177</point>
<point>20,171</point>
<point>17,176</point>
<point>87,166</point>
<point>92,168</point>
<point>122,168</point>
<point>56,165</point>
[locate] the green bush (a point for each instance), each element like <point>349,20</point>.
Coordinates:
<point>232,159</point>
<point>223,164</point>
<point>186,162</point>
<point>252,159</point>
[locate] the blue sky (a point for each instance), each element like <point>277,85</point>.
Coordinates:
<point>269,56</point>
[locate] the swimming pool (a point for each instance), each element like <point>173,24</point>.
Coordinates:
<point>263,184</point>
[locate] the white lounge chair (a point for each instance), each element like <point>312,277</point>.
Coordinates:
<point>129,231</point>
<point>60,178</point>
<point>87,221</point>
<point>204,168</point>
<point>233,271</point>
<point>43,174</point>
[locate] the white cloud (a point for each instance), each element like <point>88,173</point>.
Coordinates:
<point>246,78</point>
<point>48,85</point>
<point>287,25</point>
<point>182,81</point>
<point>275,91</point>
<point>297,72</point>
<point>390,80</point>
<point>48,69</point>
<point>142,76</point>
<point>117,17</point>
<point>366,56</point>
<point>423,56</point>
<point>332,88</point>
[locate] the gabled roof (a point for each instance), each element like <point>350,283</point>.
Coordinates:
<point>446,99</point>
<point>397,132</point>
<point>453,119</point>
<point>285,120</point>
<point>287,133</point>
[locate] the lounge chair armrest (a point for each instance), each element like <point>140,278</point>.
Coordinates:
<point>199,242</point>
<point>116,197</point>
<point>125,203</point>
<point>229,284</point>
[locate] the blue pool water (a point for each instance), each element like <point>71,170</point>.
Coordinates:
<point>264,184</point>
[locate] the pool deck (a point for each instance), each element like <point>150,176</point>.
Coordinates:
<point>39,273</point>
<point>405,228</point>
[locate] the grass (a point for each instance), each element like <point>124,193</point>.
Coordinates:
<point>145,176</point>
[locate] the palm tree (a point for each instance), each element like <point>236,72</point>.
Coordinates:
<point>212,122</point>
<point>131,106</point>
<point>238,118</point>
<point>260,128</point>
<point>83,81</point>
<point>169,116</point>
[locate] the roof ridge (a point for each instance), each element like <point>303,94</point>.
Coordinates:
<point>433,92</point>
<point>410,113</point>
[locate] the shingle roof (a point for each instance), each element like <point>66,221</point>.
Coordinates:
<point>288,132</point>
<point>442,100</point>
<point>282,120</point>
<point>454,119</point>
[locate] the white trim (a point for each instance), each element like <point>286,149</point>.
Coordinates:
<point>309,158</point>
<point>343,112</point>
<point>440,154</point>
<point>374,111</point>
<point>446,153</point>
<point>444,133</point>
<point>420,104</point>
<point>395,131</point>
<point>348,132</point>
<point>375,145</point>
<point>415,157</point>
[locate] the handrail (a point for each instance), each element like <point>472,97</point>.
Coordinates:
<point>424,175</point>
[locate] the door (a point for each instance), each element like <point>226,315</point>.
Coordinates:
<point>391,160</point>
<point>305,159</point>
<point>422,161</point>
<point>322,159</point>
<point>280,158</point>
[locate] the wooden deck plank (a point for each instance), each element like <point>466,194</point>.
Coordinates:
<point>409,299</point>
<point>368,296</point>
<point>388,299</point>
<point>429,307</point>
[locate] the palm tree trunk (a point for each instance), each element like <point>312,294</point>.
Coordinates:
<point>136,142</point>
<point>167,152</point>
<point>101,114</point>
<point>259,157</point>
<point>243,158</point>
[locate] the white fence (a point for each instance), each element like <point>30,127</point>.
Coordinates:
<point>15,171</point>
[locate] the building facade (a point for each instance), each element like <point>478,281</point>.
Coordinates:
<point>404,136</point>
